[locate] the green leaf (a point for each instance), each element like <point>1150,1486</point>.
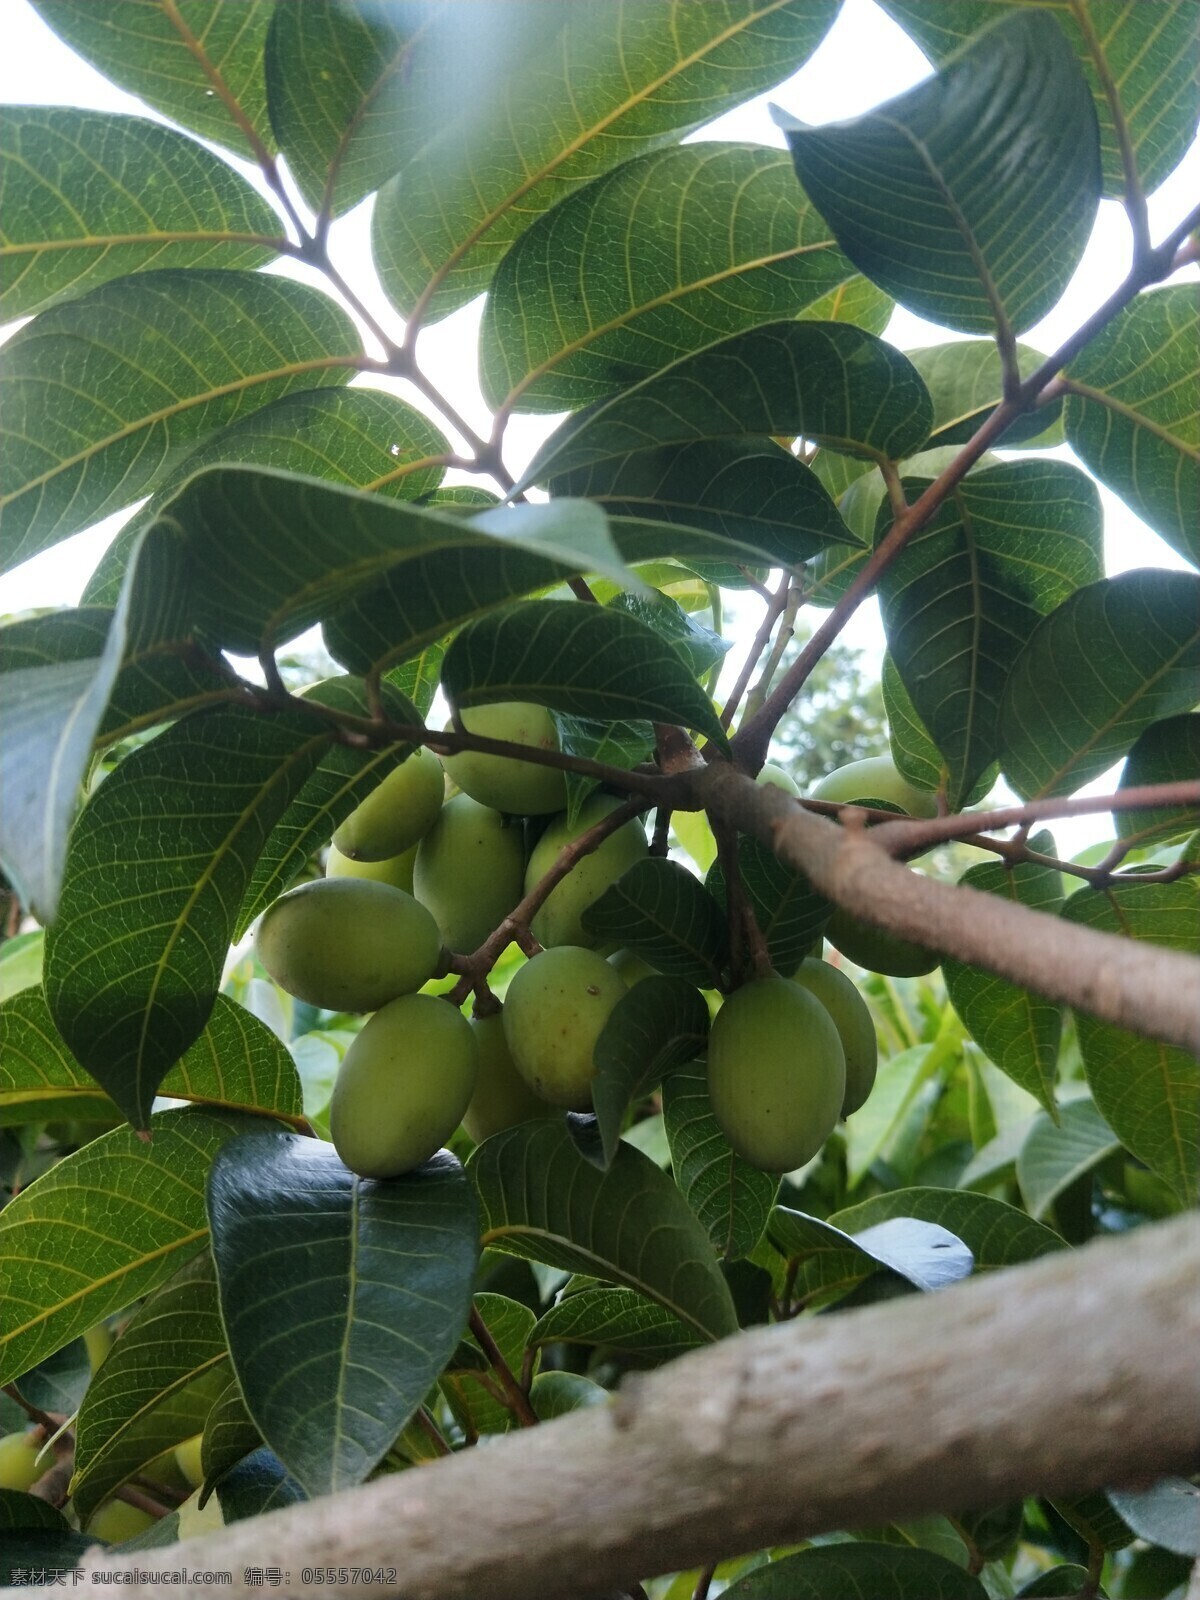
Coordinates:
<point>154,1388</point>
<point>617,744</point>
<point>1006,547</point>
<point>229,1434</point>
<point>731,1198</point>
<point>828,381</point>
<point>108,1224</point>
<point>748,489</point>
<point>1168,752</point>
<point>659,909</point>
<point>510,1325</point>
<point>20,1511</point>
<point>134,961</point>
<point>971,197</point>
<point>89,196</point>
<point>700,647</point>
<point>1130,648</point>
<point>1165,1515</point>
<point>237,1062</point>
<point>966,383</point>
<point>21,963</point>
<point>1147,1091</point>
<point>189,60</point>
<point>1018,1030</point>
<point>259,1484</point>
<point>914,752</point>
<point>922,1253</point>
<point>605,85</point>
<point>542,1200</point>
<point>1133,411</point>
<point>342,1298</point>
<point>666,254</point>
<point>858,300</point>
<point>1053,1156</point>
<point>589,661</point>
<point>621,1321</point>
<point>791,915</point>
<point>1147,53</point>
<point>996,1234</point>
<point>104,396</point>
<point>850,1571</point>
<point>659,1025</point>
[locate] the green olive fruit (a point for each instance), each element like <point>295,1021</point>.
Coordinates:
<point>631,967</point>
<point>187,1459</point>
<point>19,1467</point>
<point>558,920</point>
<point>164,1469</point>
<point>554,1011</point>
<point>396,813</point>
<point>116,1520</point>
<point>502,1098</point>
<point>396,871</point>
<point>503,782</point>
<point>876,778</point>
<point>876,949</point>
<point>854,1024</point>
<point>779,779</point>
<point>403,1086</point>
<point>195,1519</point>
<point>776,1073</point>
<point>469,871</point>
<point>348,944</point>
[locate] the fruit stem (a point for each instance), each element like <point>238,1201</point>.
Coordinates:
<point>515,1397</point>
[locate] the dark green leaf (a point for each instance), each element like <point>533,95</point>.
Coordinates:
<point>664,255</point>
<point>1054,1156</point>
<point>617,744</point>
<point>104,396</point>
<point>108,1224</point>
<point>1166,1515</point>
<point>1018,1030</point>
<point>852,1571</point>
<point>157,866</point>
<point>913,751</point>
<point>731,1198</point>
<point>1133,411</point>
<point>89,196</point>
<point>39,1549</point>
<point>1130,648</point>
<point>618,1319</point>
<point>229,1434</point>
<point>542,1200</point>
<point>699,646</point>
<point>1005,548</point>
<point>1168,752</point>
<point>603,86</point>
<point>187,60</point>
<point>826,380</point>
<point>996,1234</point>
<point>1146,52</point>
<point>155,1387</point>
<point>966,383</point>
<point>858,300</point>
<point>659,909</point>
<point>20,1511</point>
<point>660,1024</point>
<point>259,1484</point>
<point>748,489</point>
<point>791,915</point>
<point>971,197</point>
<point>343,1298</point>
<point>586,660</point>
<point>1149,1092</point>
<point>60,1381</point>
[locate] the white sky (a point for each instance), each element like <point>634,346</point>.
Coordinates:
<point>864,59</point>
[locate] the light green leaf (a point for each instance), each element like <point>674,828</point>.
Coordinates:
<point>133,963</point>
<point>189,60</point>
<point>659,909</point>
<point>173,1350</point>
<point>589,661</point>
<point>21,963</point>
<point>996,1234</point>
<point>1006,547</point>
<point>1133,411</point>
<point>102,397</point>
<point>966,384</point>
<point>1147,1091</point>
<point>858,300</point>
<point>1018,1030</point>
<point>731,1198</point>
<point>971,197</point>
<point>1168,752</point>
<point>581,306</point>
<point>851,1571</point>
<point>1053,1156</point>
<point>542,1200</point>
<point>105,1226</point>
<point>660,1024</point>
<point>913,751</point>
<point>1129,647</point>
<point>343,1298</point>
<point>791,915</point>
<point>88,196</point>
<point>607,84</point>
<point>620,1320</point>
<point>828,381</point>
<point>1147,52</point>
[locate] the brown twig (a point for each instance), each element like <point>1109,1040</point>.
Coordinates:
<point>515,1397</point>
<point>775,603</point>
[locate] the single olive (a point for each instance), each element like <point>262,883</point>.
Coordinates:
<point>558,920</point>
<point>876,778</point>
<point>469,870</point>
<point>19,1468</point>
<point>504,782</point>
<point>502,1098</point>
<point>555,1008</point>
<point>397,813</point>
<point>877,950</point>
<point>396,871</point>
<point>854,1023</point>
<point>116,1520</point>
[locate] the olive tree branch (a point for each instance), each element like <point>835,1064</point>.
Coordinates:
<point>515,1397</point>
<point>776,600</point>
<point>787,626</point>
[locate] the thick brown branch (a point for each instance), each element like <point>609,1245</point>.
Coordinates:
<point>779,1434</point>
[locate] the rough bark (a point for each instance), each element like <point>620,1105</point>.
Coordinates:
<point>1063,1375</point>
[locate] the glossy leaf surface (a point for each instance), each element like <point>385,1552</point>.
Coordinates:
<point>659,909</point>
<point>851,1571</point>
<point>620,1320</point>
